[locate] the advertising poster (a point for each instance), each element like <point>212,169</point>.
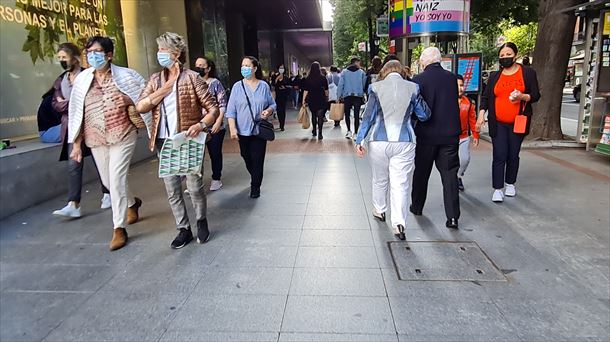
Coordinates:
<point>430,16</point>
<point>469,66</point>
<point>31,31</point>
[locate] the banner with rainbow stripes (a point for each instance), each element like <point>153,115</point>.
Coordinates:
<point>417,17</point>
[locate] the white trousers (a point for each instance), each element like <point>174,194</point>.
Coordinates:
<point>113,164</point>
<point>393,165</point>
<point>464,153</point>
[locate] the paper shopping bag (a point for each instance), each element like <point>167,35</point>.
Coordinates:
<point>336,111</point>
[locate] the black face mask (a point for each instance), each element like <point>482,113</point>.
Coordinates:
<point>64,65</point>
<point>507,62</point>
<point>201,71</point>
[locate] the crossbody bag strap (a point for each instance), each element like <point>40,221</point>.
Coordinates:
<point>249,105</point>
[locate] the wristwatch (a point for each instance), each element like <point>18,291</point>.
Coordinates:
<point>204,128</point>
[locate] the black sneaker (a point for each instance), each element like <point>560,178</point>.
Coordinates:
<point>203,233</point>
<point>184,237</point>
<point>255,192</point>
<point>460,184</point>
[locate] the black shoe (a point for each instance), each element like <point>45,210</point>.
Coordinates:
<point>320,137</point>
<point>203,233</point>
<point>282,129</point>
<point>460,184</point>
<point>401,233</point>
<point>184,237</point>
<point>381,216</point>
<point>415,212</point>
<point>255,192</point>
<point>452,223</point>
<point>313,134</point>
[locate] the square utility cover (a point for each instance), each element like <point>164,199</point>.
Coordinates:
<point>443,261</point>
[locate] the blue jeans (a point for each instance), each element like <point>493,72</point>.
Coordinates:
<point>51,135</point>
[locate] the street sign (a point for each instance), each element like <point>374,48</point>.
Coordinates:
<point>383,26</point>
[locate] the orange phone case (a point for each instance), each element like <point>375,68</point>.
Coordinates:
<point>520,124</point>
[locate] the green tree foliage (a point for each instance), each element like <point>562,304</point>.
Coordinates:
<point>487,15</point>
<point>524,36</point>
<point>351,26</point>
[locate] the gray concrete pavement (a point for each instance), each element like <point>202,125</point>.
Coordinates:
<point>308,262</point>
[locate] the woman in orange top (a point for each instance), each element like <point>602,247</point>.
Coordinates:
<point>510,92</point>
<point>468,122</point>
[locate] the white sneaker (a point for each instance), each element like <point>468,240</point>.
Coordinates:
<point>215,185</point>
<point>498,196</point>
<point>106,203</point>
<point>70,210</point>
<point>348,135</point>
<point>510,190</point>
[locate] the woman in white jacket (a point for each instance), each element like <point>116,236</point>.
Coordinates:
<point>387,127</point>
<point>98,114</point>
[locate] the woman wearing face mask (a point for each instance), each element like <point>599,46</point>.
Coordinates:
<point>178,98</point>
<point>98,114</point>
<point>207,69</point>
<point>68,55</point>
<point>250,101</point>
<point>509,92</point>
<point>281,84</point>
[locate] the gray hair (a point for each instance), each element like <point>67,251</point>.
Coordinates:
<point>173,42</point>
<point>430,55</point>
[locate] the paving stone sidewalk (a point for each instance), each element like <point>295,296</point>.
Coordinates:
<point>308,262</point>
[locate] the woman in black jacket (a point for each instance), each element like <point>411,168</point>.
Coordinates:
<point>282,86</point>
<point>510,92</point>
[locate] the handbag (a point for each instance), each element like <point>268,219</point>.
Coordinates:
<point>135,117</point>
<point>265,128</point>
<point>520,124</point>
<point>337,111</point>
<point>304,117</point>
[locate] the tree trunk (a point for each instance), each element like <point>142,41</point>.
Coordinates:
<point>551,56</point>
<point>373,48</point>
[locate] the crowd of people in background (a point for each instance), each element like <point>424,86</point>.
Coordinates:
<point>409,124</point>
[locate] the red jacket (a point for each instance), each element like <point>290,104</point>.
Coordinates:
<point>468,119</point>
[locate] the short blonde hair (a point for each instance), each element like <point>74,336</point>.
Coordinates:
<point>390,67</point>
<point>173,42</point>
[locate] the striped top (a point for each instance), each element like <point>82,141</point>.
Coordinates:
<point>106,120</point>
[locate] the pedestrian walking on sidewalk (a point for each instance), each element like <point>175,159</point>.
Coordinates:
<point>333,85</point>
<point>250,102</point>
<point>468,121</point>
<point>68,55</point>
<point>509,94</point>
<point>387,117</point>
<point>98,113</point>
<point>315,96</point>
<point>438,138</point>
<point>351,93</point>
<point>207,69</point>
<point>372,74</point>
<point>178,98</point>
<point>281,84</point>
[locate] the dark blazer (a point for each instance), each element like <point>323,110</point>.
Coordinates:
<point>488,99</point>
<point>439,89</point>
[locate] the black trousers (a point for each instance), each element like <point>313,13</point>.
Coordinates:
<point>252,150</point>
<point>317,120</point>
<point>447,162</point>
<point>215,152</point>
<point>349,103</point>
<point>281,100</point>
<point>506,147</point>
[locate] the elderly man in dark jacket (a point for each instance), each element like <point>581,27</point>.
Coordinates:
<point>437,138</point>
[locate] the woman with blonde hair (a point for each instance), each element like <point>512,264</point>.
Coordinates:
<point>387,127</point>
<point>177,98</point>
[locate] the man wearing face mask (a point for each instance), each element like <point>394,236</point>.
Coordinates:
<point>98,115</point>
<point>178,98</point>
<point>68,55</point>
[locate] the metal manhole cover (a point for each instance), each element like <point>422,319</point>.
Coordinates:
<point>438,261</point>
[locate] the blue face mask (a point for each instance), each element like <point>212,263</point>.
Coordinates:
<point>165,59</point>
<point>246,72</point>
<point>96,59</point>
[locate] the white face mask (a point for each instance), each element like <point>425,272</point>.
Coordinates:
<point>281,71</point>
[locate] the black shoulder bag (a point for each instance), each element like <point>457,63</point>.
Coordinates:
<point>265,128</point>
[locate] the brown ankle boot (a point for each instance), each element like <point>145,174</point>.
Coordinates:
<point>119,239</point>
<point>132,212</point>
